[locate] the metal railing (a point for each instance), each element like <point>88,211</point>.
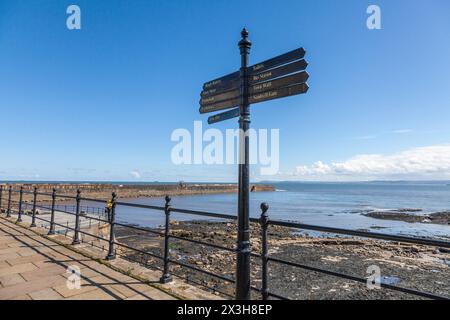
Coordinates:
<point>167,209</point>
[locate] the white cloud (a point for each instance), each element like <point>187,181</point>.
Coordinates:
<point>136,174</point>
<point>402,131</point>
<point>369,137</point>
<point>375,136</point>
<point>432,162</point>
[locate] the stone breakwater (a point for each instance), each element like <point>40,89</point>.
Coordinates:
<point>104,191</point>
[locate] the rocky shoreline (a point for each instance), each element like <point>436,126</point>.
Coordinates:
<point>413,266</point>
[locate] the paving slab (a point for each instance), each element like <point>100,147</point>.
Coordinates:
<point>33,267</point>
<point>45,294</point>
<point>11,280</point>
<point>24,267</point>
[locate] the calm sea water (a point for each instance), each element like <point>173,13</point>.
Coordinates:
<point>327,204</point>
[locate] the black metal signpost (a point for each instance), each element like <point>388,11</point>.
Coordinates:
<point>275,78</point>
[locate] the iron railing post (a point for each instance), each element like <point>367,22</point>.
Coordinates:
<point>76,236</point>
<point>33,217</point>
<point>1,195</point>
<point>19,216</point>
<point>243,237</point>
<point>8,212</point>
<point>264,221</point>
<point>112,219</point>
<point>52,215</point>
<point>166,273</point>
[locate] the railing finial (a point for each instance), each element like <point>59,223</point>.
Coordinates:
<point>264,207</point>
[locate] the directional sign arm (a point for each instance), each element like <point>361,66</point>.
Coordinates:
<point>231,94</point>
<point>220,105</point>
<point>215,91</point>
<point>226,81</point>
<point>279,72</point>
<point>280,82</point>
<point>233,113</point>
<point>279,60</point>
<point>279,93</point>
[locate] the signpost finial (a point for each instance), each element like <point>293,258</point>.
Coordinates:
<point>244,43</point>
<point>244,33</point>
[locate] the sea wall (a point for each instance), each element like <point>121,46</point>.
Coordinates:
<point>104,190</point>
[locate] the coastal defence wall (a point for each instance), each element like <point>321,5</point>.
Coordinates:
<point>114,187</point>
<point>104,190</point>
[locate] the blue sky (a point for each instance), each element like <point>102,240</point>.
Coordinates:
<point>101,103</point>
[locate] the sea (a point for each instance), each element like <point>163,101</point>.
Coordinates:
<point>332,204</point>
<point>340,205</point>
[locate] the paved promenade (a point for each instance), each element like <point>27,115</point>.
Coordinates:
<point>35,268</point>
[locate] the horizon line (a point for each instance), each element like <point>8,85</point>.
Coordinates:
<point>212,182</point>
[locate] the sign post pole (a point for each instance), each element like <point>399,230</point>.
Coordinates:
<point>279,77</point>
<point>243,241</point>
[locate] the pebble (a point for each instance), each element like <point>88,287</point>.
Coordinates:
<point>443,250</point>
<point>435,271</point>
